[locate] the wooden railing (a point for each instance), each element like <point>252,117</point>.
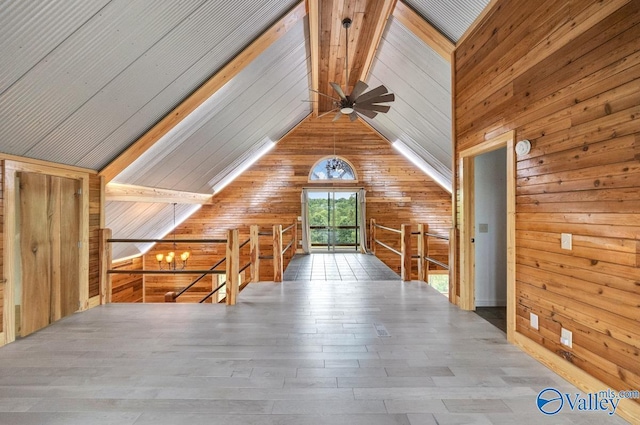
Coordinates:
<point>231,278</point>
<point>406,248</point>
<point>280,254</point>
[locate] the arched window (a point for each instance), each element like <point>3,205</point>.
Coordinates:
<point>333,168</point>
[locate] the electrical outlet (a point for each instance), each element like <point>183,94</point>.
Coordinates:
<point>533,320</point>
<point>566,338</point>
<point>566,241</point>
<point>483,228</point>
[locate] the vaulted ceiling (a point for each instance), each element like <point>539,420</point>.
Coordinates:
<point>175,95</point>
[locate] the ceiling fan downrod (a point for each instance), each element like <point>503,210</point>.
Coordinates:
<point>347,105</point>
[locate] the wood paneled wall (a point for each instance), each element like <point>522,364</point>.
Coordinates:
<point>566,75</point>
<point>2,282</point>
<point>269,192</point>
<point>127,288</point>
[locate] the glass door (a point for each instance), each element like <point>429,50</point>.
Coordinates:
<point>333,221</point>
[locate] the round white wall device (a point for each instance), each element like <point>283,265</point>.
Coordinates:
<point>523,147</point>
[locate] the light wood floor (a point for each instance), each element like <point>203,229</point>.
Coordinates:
<point>296,353</point>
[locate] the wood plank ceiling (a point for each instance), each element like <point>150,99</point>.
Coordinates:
<point>368,21</point>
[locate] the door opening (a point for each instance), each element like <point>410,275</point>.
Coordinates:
<point>469,230</point>
<point>333,221</point>
<point>490,245</point>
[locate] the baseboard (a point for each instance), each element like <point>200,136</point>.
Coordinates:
<point>93,302</point>
<point>627,409</point>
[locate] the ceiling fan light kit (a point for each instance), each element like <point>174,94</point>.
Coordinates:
<point>357,102</point>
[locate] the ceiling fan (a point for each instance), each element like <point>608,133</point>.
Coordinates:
<point>357,102</point>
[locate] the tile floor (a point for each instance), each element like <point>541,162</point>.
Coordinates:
<point>338,266</point>
<point>296,353</point>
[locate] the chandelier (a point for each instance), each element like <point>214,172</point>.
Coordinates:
<point>335,166</point>
<point>170,258</point>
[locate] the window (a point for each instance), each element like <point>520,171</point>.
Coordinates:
<point>332,168</point>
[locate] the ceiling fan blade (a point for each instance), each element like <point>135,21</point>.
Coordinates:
<point>353,116</point>
<point>378,91</point>
<point>338,90</point>
<point>337,117</point>
<point>327,113</point>
<point>359,88</point>
<point>378,108</point>
<point>385,98</point>
<point>322,94</point>
<point>366,112</point>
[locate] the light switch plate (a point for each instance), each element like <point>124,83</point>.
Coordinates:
<point>566,337</point>
<point>533,320</point>
<point>566,241</point>
<point>483,228</point>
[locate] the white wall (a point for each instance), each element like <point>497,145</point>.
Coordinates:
<point>491,244</point>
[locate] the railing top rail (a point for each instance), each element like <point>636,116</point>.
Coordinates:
<point>112,271</point>
<point>379,226</point>
<point>167,241</point>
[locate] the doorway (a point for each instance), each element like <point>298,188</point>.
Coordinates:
<point>333,221</point>
<point>470,227</point>
<point>490,245</point>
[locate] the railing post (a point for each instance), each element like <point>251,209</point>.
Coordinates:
<point>372,235</point>
<point>233,266</point>
<point>217,281</point>
<point>422,271</point>
<point>428,254</point>
<point>104,264</point>
<point>277,253</point>
<point>255,252</point>
<point>295,237</point>
<point>453,247</point>
<point>405,249</point>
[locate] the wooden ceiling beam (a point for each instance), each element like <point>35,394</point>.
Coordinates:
<point>313,12</point>
<point>131,193</point>
<point>211,86</point>
<point>378,28</point>
<point>424,30</point>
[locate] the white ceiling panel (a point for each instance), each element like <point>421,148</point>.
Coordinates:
<point>421,81</point>
<point>451,18</point>
<point>77,69</point>
<point>28,33</point>
<point>263,101</point>
<point>114,70</point>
